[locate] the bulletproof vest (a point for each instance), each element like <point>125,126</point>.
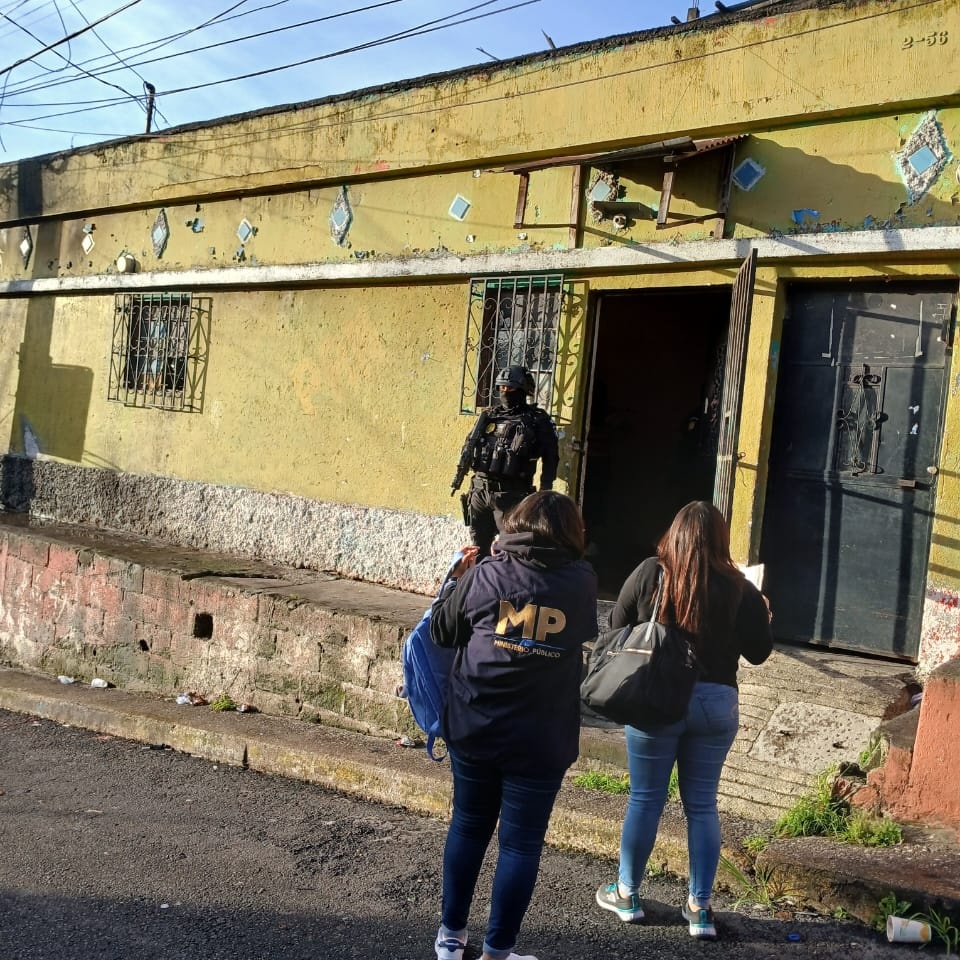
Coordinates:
<point>508,448</point>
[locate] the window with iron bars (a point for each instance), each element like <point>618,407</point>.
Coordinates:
<point>155,359</point>
<point>511,320</point>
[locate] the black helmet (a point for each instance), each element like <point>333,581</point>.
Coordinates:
<point>515,377</point>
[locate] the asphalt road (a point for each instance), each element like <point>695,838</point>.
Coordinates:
<point>110,849</point>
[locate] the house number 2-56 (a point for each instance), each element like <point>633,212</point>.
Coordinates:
<point>937,38</point>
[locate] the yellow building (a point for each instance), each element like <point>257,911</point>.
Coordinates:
<point>728,249</point>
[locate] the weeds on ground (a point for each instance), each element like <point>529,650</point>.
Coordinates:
<point>890,906</point>
<point>223,702</point>
<point>942,925</point>
<point>755,843</point>
<point>762,885</point>
<point>823,813</point>
<point>603,781</point>
<point>608,783</point>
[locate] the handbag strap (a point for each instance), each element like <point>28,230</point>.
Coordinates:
<point>656,602</point>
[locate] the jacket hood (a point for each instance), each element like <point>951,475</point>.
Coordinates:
<point>534,549</point>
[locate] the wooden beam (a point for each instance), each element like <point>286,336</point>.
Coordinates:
<point>576,202</point>
<point>521,199</point>
<point>666,193</point>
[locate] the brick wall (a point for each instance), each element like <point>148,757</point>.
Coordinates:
<point>72,610</point>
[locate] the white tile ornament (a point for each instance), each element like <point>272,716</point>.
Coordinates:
<point>26,246</point>
<point>88,243</point>
<point>459,208</point>
<point>341,216</point>
<point>160,233</point>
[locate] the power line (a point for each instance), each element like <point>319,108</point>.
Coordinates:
<point>419,30</point>
<point>67,61</point>
<point>119,59</point>
<point>221,43</point>
<point>69,37</point>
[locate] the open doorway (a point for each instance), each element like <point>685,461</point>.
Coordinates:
<point>653,419</point>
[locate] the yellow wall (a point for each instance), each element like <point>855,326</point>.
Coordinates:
<point>738,77</point>
<point>346,395</point>
<point>830,178</point>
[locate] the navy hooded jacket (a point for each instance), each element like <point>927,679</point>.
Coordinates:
<point>519,619</point>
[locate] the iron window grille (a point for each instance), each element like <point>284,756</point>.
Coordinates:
<point>511,320</point>
<point>156,359</point>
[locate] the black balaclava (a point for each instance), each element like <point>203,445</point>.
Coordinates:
<point>511,399</point>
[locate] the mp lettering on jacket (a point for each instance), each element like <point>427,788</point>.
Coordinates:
<point>537,624</point>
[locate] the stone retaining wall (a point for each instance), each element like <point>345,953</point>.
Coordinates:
<point>71,610</point>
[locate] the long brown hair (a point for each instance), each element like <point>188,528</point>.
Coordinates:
<point>695,548</point>
<point>549,515</point>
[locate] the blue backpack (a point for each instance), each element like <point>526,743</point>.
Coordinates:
<point>426,671</point>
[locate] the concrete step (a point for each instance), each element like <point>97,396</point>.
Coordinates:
<point>801,712</point>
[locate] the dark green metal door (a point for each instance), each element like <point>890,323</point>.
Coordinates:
<point>853,464</point>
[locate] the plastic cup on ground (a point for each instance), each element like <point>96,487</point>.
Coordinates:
<point>902,930</point>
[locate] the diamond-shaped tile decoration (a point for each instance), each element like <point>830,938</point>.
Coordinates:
<point>459,207</point>
<point>160,233</point>
<point>748,174</point>
<point>88,243</point>
<point>923,157</point>
<point>245,230</point>
<point>26,246</point>
<point>341,216</point>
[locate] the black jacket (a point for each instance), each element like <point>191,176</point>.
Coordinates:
<point>747,635</point>
<point>519,619</point>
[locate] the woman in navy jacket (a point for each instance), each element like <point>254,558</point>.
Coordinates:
<point>512,722</point>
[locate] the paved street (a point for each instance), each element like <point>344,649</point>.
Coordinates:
<point>119,851</point>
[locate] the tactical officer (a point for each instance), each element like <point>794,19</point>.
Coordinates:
<point>503,457</point>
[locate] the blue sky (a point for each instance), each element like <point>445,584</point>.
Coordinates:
<point>41,112</point>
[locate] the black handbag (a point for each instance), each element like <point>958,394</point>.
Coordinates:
<point>642,675</point>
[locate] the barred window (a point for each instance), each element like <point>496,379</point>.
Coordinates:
<point>511,320</point>
<point>157,360</point>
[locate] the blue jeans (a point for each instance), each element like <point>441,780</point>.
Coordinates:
<point>699,744</point>
<point>482,793</point>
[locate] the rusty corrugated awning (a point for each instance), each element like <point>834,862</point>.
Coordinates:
<point>674,149</point>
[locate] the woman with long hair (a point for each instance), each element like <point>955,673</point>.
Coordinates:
<point>705,594</point>
<point>518,619</point>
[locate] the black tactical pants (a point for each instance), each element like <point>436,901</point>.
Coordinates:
<point>489,501</point>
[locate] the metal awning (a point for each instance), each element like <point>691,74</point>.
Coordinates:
<point>672,152</point>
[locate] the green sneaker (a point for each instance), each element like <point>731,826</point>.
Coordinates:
<point>701,922</point>
<point>628,909</point>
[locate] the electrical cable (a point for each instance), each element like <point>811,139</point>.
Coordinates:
<point>183,53</point>
<point>66,59</point>
<point>66,39</point>
<point>419,30</point>
<point>142,79</point>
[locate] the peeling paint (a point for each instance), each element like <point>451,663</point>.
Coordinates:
<point>800,216</point>
<point>31,442</point>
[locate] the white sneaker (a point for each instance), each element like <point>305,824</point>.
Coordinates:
<point>449,948</point>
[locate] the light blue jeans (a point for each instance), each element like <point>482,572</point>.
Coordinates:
<point>698,744</point>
